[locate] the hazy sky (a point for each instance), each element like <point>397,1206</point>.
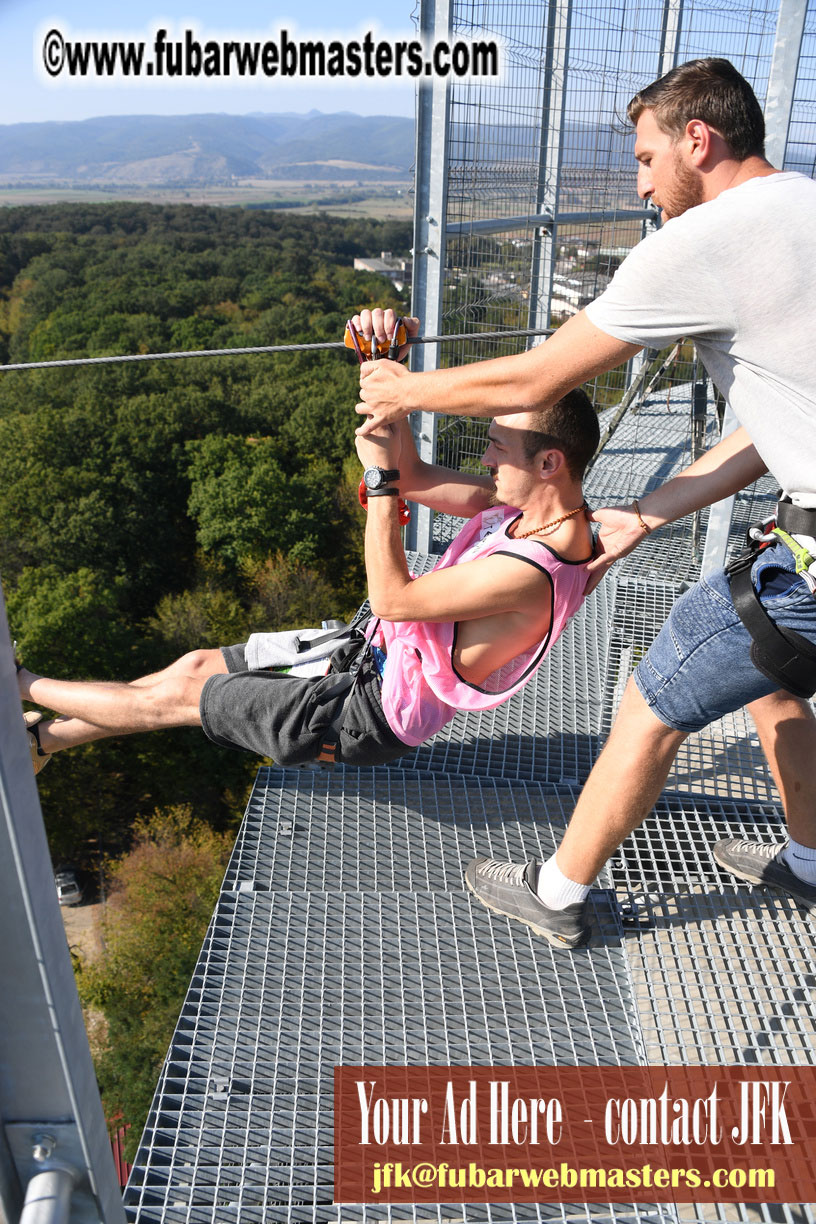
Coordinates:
<point>27,97</point>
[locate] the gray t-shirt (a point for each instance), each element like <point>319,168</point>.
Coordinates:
<point>738,274</point>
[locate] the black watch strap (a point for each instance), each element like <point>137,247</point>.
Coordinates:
<point>384,492</point>
<point>375,477</point>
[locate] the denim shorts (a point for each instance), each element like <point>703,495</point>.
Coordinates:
<point>699,665</point>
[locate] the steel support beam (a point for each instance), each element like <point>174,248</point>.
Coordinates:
<point>719,516</point>
<point>667,59</point>
<point>648,215</point>
<point>430,212</point>
<point>670,35</point>
<point>553,101</point>
<point>546,220</point>
<point>719,519</point>
<point>51,1118</point>
<point>790,27</point>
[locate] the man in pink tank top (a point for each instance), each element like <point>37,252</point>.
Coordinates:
<point>467,635</point>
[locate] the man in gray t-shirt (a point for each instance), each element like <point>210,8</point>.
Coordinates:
<point>732,268</point>
<point>736,273</point>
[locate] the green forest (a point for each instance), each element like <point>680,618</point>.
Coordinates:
<point>152,508</point>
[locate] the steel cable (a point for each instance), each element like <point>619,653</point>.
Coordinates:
<point>266,348</point>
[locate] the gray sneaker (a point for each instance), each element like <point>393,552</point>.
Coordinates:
<point>510,889</point>
<point>761,863</point>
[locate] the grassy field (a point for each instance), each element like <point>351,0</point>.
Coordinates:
<point>390,202</point>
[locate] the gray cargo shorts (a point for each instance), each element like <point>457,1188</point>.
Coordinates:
<point>272,714</point>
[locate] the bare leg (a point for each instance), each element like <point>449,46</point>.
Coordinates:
<point>68,733</point>
<point>97,710</point>
<point>787,731</point>
<point>194,663</point>
<point>621,790</point>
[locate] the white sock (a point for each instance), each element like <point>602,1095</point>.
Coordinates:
<point>801,860</point>
<point>555,889</point>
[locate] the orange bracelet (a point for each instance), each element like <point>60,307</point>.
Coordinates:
<point>645,526</point>
<point>402,505</point>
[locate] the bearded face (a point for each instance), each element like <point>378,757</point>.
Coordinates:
<point>664,175</point>
<point>682,190</point>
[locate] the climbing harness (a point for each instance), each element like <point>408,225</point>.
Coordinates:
<point>346,661</point>
<point>786,657</point>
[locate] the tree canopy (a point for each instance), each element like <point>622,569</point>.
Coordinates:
<point>152,508</point>
<point>163,893</point>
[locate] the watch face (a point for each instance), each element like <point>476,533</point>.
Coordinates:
<point>374,477</point>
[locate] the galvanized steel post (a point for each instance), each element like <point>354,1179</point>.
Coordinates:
<point>553,103</point>
<point>51,1119</point>
<point>790,27</point>
<point>430,205</point>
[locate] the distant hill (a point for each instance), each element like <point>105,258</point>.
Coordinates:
<point>186,150</point>
<point>182,150</point>
<point>197,149</point>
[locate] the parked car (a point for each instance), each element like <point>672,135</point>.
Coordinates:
<point>69,889</point>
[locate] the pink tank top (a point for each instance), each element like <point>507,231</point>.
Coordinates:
<point>421,689</point>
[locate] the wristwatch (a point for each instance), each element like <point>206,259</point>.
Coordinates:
<point>375,477</point>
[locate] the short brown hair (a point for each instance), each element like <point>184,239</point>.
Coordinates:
<point>711,90</point>
<point>570,426</point>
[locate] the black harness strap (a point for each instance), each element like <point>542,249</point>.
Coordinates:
<point>796,520</point>
<point>345,684</point>
<point>785,657</point>
<point>336,634</point>
<point>330,742</point>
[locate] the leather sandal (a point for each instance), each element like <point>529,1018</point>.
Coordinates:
<point>39,758</point>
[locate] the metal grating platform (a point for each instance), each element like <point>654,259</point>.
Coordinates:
<point>344,935</point>
<point>386,831</point>
<point>723,974</point>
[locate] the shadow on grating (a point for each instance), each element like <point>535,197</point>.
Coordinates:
<point>724,758</point>
<point>484,747</point>
<point>671,851</point>
<point>725,977</point>
<point>723,972</point>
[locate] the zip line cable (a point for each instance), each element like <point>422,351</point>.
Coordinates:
<point>266,348</point>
